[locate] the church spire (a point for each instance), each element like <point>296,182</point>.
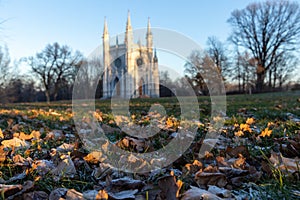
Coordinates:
<point>128,24</point>
<point>105,30</point>
<point>128,33</point>
<point>106,61</point>
<point>149,27</point>
<point>149,36</point>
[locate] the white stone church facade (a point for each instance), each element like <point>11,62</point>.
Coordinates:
<point>130,69</point>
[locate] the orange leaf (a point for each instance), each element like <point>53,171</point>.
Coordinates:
<point>102,195</point>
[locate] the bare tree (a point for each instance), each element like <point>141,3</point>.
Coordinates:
<point>266,29</point>
<point>4,66</point>
<point>90,73</point>
<point>282,70</point>
<point>218,53</point>
<point>246,72</point>
<point>202,72</point>
<point>55,66</point>
<point>5,74</point>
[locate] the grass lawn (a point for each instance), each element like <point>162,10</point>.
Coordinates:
<point>257,153</point>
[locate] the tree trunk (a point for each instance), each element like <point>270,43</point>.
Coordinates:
<point>260,73</point>
<point>55,96</point>
<point>47,96</point>
<point>270,78</point>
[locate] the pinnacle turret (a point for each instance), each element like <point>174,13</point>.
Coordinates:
<point>149,38</point>
<point>128,33</point>
<point>105,30</point>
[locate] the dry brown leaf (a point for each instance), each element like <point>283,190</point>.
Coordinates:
<point>233,172</point>
<point>22,136</point>
<point>124,183</point>
<point>1,134</point>
<point>42,166</point>
<point>94,157</point>
<point>221,192</point>
<point>15,143</point>
<point>286,165</point>
<point>168,187</point>
<point>179,183</point>
<point>137,144</point>
<point>102,195</point>
<point>28,185</point>
<point>221,161</point>
<point>35,134</point>
<point>3,154</point>
<point>240,163</point>
<point>127,194</point>
<point>36,195</point>
<point>204,178</point>
<point>196,194</point>
<point>58,193</point>
<point>73,195</point>
<point>19,160</point>
<point>110,130</point>
<point>235,151</point>
<point>65,168</point>
<point>55,135</point>
<point>65,147</point>
<point>211,169</point>
<point>8,190</point>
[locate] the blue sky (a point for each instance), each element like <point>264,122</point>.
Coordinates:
<point>32,24</point>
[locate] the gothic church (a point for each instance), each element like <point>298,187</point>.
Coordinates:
<point>131,69</point>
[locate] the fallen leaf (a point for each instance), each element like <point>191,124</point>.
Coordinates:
<point>196,194</point>
<point>55,135</point>
<point>17,177</point>
<point>235,151</point>
<point>286,165</point>
<point>73,195</point>
<point>23,136</point>
<point>168,187</point>
<point>20,161</point>
<point>221,192</point>
<point>240,162</point>
<point>127,194</point>
<point>125,183</point>
<point>65,147</point>
<point>58,193</point>
<point>15,143</point>
<point>8,190</point>
<point>204,178</point>
<point>3,154</point>
<point>35,195</point>
<point>1,134</point>
<point>28,185</point>
<point>42,167</point>
<point>35,134</point>
<point>102,195</point>
<point>192,168</point>
<point>94,157</point>
<point>65,168</point>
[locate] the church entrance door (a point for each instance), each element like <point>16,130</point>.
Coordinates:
<point>117,87</point>
<point>142,88</point>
